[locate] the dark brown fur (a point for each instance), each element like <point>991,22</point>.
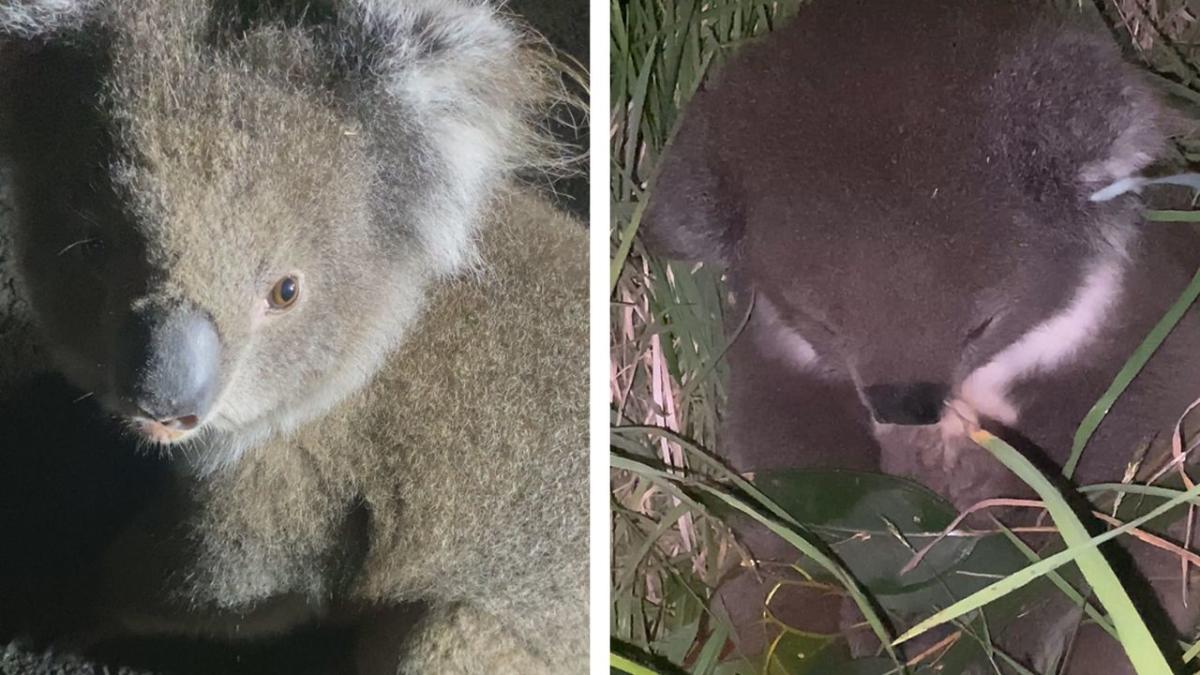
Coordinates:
<point>906,187</point>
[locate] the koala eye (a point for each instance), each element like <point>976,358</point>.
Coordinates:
<point>285,292</point>
<point>978,331</point>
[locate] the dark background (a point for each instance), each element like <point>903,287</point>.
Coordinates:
<point>565,24</point>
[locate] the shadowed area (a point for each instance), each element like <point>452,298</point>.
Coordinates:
<point>565,24</point>
<point>70,481</point>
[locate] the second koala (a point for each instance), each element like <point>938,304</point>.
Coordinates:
<point>922,236</point>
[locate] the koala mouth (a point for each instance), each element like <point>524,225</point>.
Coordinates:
<point>907,404</point>
<point>166,432</point>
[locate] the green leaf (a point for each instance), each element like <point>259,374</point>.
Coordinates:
<point>675,647</point>
<point>803,654</point>
<point>711,652</point>
<point>874,522</point>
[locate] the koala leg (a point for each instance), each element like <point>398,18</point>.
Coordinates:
<point>781,415</point>
<point>140,592</point>
<point>789,408</point>
<point>213,558</point>
<point>1146,411</point>
<point>451,639</point>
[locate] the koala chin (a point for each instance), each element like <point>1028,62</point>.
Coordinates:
<point>282,242</point>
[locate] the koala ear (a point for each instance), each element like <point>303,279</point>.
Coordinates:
<point>460,63</point>
<point>31,18</point>
<point>428,51</point>
<point>693,215</point>
<point>1136,130</point>
<point>1070,113</point>
<point>469,78</point>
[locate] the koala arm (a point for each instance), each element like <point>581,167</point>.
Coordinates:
<point>255,550</point>
<point>695,211</point>
<point>452,639</point>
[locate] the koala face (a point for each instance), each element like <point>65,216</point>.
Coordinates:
<point>968,297</point>
<point>224,224</point>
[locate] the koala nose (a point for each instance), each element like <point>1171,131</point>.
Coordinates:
<point>909,403</point>
<point>169,363</point>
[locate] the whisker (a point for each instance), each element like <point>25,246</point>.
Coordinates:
<point>81,242</point>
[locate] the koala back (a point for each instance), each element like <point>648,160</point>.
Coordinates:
<point>849,123</point>
<point>501,455</point>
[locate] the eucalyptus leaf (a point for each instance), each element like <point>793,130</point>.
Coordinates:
<point>874,522</point>
<point>803,654</point>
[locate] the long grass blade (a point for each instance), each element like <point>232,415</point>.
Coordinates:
<point>1081,548</point>
<point>625,665</point>
<point>1173,216</point>
<point>1063,585</point>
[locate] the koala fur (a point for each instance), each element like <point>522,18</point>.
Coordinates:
<point>922,235</point>
<point>401,430</point>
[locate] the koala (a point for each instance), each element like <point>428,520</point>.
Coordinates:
<point>925,240</point>
<point>281,243</point>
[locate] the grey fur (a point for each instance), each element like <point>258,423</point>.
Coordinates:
<point>390,438</point>
<point>31,18</point>
<point>915,222</point>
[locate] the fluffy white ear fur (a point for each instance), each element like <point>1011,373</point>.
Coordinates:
<point>459,68</point>
<point>27,18</point>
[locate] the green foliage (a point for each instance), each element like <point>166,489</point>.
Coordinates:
<point>875,523</point>
<point>667,331</point>
<point>1131,630</point>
